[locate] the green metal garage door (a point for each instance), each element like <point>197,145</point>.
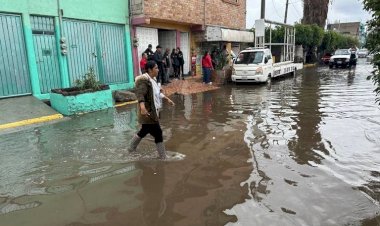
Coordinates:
<point>97,45</point>
<point>112,47</point>
<point>81,48</point>
<point>46,53</point>
<point>14,72</point>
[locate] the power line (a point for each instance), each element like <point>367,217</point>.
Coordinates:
<point>275,9</point>
<point>297,11</point>
<point>295,2</point>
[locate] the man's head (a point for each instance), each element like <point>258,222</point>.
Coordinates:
<point>150,46</point>
<point>158,48</point>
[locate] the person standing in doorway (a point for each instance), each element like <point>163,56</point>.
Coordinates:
<point>207,68</point>
<point>167,64</point>
<point>149,52</point>
<point>175,62</point>
<point>181,62</point>
<point>160,62</point>
<point>150,97</point>
<point>143,62</point>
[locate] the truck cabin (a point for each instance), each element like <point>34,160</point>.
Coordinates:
<point>253,57</point>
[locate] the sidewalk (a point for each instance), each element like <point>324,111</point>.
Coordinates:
<point>22,111</point>
<point>188,86</point>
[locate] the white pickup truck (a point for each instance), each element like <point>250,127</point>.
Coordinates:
<point>256,65</point>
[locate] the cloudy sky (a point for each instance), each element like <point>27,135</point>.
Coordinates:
<point>339,10</point>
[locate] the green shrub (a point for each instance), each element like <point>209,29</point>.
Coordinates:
<point>89,81</point>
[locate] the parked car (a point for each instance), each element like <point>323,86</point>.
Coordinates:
<point>343,58</point>
<point>363,53</point>
<point>326,58</point>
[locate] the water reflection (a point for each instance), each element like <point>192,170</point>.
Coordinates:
<point>154,204</point>
<point>35,156</point>
<point>302,151</point>
<point>292,155</point>
<point>307,141</point>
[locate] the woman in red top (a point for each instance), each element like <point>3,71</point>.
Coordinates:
<point>143,62</point>
<point>207,68</point>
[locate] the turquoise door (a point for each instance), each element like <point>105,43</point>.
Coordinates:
<point>14,71</point>
<point>46,53</point>
<point>81,48</point>
<point>112,48</point>
<point>97,45</point>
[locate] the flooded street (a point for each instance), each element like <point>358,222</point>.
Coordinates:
<point>303,150</point>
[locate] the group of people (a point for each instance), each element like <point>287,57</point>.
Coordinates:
<point>210,62</point>
<point>165,61</point>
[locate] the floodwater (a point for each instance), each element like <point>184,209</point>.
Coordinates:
<point>303,150</point>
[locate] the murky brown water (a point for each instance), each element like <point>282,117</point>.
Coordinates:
<point>303,151</point>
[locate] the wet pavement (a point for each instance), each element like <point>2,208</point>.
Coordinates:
<point>302,150</point>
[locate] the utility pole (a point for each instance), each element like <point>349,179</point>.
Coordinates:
<point>262,9</point>
<point>286,11</point>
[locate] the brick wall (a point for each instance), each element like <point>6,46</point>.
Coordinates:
<point>218,12</point>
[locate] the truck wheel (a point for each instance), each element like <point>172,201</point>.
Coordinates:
<point>331,66</point>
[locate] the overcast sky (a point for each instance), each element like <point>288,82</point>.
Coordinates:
<point>339,10</point>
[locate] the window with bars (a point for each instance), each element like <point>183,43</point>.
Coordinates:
<point>42,25</point>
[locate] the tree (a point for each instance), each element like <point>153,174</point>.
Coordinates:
<point>315,12</point>
<point>333,40</point>
<point>373,40</point>
<point>310,37</point>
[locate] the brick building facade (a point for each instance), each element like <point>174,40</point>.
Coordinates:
<point>224,13</point>
<point>187,24</point>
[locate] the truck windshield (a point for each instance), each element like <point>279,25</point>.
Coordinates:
<point>342,52</point>
<point>250,58</point>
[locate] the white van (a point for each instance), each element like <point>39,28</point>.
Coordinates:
<point>256,65</point>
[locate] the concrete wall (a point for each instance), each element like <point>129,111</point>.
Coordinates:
<point>81,103</point>
<point>215,12</point>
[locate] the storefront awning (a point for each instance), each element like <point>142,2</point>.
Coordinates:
<point>217,34</point>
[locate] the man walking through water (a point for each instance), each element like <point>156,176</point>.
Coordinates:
<point>150,97</point>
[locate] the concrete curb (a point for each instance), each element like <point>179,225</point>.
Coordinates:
<point>31,121</point>
<point>309,65</point>
<point>126,103</point>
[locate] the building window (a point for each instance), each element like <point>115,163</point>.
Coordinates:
<point>235,2</point>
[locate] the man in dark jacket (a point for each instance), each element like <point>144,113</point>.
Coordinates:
<point>149,52</point>
<point>160,63</point>
<point>181,62</point>
<point>167,65</point>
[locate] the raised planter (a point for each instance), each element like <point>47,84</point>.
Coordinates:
<point>72,101</point>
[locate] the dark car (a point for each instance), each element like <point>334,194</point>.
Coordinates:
<point>326,58</point>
